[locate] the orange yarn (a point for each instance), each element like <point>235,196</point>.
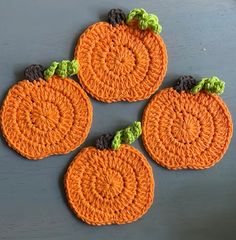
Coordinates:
<point>42,118</point>
<point>107,187</point>
<point>121,63</point>
<point>182,130</point>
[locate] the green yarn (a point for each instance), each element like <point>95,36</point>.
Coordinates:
<point>61,69</point>
<point>145,20</point>
<point>127,135</point>
<point>49,72</point>
<point>65,68</point>
<point>72,67</point>
<point>211,85</point>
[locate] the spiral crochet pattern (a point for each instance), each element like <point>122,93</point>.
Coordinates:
<point>42,118</point>
<point>109,187</point>
<point>182,130</point>
<point>121,63</point>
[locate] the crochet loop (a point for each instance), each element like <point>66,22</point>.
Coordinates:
<point>185,83</point>
<point>127,135</point>
<point>145,20</point>
<point>210,85</point>
<point>65,68</point>
<point>104,141</point>
<point>116,16</point>
<point>33,72</point>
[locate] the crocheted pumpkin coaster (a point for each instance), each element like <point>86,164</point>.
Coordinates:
<point>109,186</point>
<point>44,117</point>
<point>124,60</point>
<point>183,129</point>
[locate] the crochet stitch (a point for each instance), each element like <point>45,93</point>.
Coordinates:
<point>34,72</point>
<point>121,63</point>
<point>145,20</point>
<point>116,16</point>
<point>127,135</point>
<point>211,85</point>
<point>104,141</point>
<point>109,187</point>
<point>65,68</point>
<point>42,118</point>
<point>185,83</point>
<point>184,130</point>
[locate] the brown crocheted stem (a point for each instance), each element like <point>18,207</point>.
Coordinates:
<point>185,83</point>
<point>116,16</point>
<point>104,141</point>
<point>34,72</point>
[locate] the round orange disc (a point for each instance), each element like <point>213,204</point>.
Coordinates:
<point>107,186</point>
<point>182,130</point>
<point>121,63</point>
<point>42,118</point>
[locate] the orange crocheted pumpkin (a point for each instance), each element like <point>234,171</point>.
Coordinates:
<point>109,186</point>
<point>185,130</point>
<point>121,62</point>
<point>45,117</point>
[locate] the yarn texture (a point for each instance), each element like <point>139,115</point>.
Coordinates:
<point>185,83</point>
<point>116,16</point>
<point>145,20</point>
<point>64,69</point>
<point>184,130</point>
<point>127,135</point>
<point>210,85</point>
<point>34,72</point>
<point>121,63</point>
<point>109,187</point>
<point>42,118</point>
<point>104,141</point>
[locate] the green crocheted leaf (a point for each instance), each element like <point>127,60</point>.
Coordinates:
<point>127,135</point>
<point>62,69</point>
<point>145,20</point>
<point>49,72</point>
<point>65,68</point>
<point>210,85</point>
<point>72,67</point>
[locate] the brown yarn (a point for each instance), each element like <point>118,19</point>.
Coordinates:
<point>104,141</point>
<point>185,83</point>
<point>34,72</point>
<point>116,16</point>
